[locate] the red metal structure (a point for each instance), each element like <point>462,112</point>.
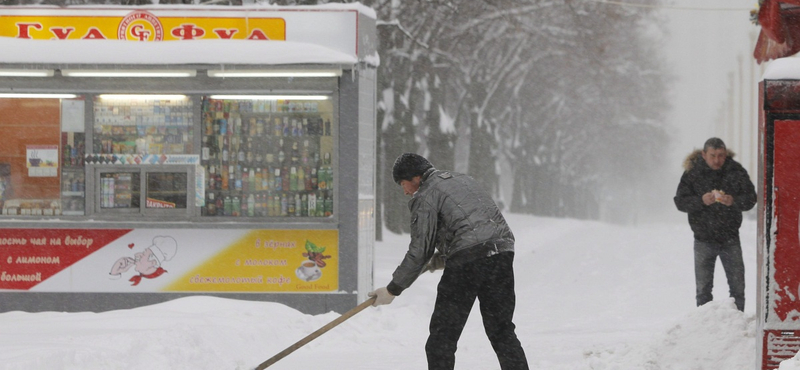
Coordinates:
<point>778,301</point>
<point>780,29</point>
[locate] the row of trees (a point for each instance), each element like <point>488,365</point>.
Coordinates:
<point>557,106</point>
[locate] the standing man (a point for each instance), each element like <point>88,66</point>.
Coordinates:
<point>455,224</point>
<point>714,191</point>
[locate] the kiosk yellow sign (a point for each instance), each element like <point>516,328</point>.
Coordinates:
<point>141,25</point>
<point>269,261</point>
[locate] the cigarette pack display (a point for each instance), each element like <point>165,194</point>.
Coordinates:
<point>143,126</point>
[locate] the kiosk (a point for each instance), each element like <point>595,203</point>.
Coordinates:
<point>153,153</point>
<point>778,294</point>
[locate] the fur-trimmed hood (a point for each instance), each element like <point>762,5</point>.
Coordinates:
<point>697,155</point>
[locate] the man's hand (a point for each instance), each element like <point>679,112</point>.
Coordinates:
<point>383,297</point>
<point>709,198</point>
<point>726,200</point>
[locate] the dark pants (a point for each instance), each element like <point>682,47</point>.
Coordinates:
<point>705,257</point>
<point>491,280</point>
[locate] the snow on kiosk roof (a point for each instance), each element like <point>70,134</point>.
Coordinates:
<point>783,69</point>
<point>165,53</point>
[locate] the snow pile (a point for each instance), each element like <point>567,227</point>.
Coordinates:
<point>189,333</point>
<point>714,336</point>
<point>791,364</point>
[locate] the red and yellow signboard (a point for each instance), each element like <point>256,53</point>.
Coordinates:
<point>169,260</point>
<point>141,25</point>
<point>31,256</point>
<point>269,260</point>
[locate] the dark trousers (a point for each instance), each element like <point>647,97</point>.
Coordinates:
<point>491,280</point>
<point>705,257</point>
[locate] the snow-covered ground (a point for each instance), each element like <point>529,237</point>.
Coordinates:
<point>589,296</point>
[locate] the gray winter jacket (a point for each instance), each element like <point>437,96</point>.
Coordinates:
<point>451,213</point>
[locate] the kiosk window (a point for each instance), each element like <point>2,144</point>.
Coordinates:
<point>142,124</point>
<point>268,158</point>
<point>167,190</point>
<point>120,190</point>
<point>39,174</point>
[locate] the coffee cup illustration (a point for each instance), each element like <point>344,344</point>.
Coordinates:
<point>308,271</point>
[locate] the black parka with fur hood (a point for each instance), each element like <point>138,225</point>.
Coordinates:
<point>715,223</point>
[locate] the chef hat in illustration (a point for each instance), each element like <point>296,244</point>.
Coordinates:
<point>164,248</point>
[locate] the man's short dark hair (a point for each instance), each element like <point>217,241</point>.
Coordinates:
<point>715,143</point>
<point>409,165</point>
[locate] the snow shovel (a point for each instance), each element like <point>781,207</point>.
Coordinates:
<point>314,335</point>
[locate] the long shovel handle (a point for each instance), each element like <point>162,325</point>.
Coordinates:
<point>316,334</point>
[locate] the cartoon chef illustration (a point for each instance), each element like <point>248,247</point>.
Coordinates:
<point>149,262</point>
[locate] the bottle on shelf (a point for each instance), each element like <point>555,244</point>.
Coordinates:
<point>211,205</point>
<point>225,152</point>
<point>277,180</point>
<point>291,206</point>
<point>238,175</point>
<point>252,179</point>
<point>328,205</point>
<point>220,207</point>
<point>236,206</point>
<point>251,205</point>
<point>284,205</point>
<point>320,203</point>
<point>313,179</point>
<point>225,178</point>
<point>265,179</point>
<point>301,178</point>
<point>286,178</point>
<point>228,206</point>
<point>293,178</point>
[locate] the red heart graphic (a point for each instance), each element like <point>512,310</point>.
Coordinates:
<point>130,246</point>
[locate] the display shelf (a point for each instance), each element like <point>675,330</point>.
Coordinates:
<point>73,177</point>
<point>267,158</point>
<point>143,126</point>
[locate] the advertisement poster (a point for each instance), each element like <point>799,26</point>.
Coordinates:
<point>41,160</point>
<point>167,260</point>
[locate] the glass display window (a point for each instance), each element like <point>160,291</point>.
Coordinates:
<point>73,178</point>
<point>143,124</point>
<point>120,190</point>
<point>41,171</point>
<point>167,190</point>
<point>268,157</point>
<point>150,190</point>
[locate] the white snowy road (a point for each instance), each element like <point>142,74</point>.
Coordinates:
<point>589,296</point>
